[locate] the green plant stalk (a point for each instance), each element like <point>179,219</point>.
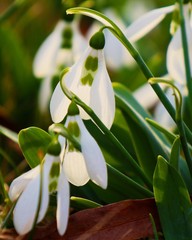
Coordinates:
<point>108,133</point>
<point>178,119</point>
<point>154,226</point>
<point>60,129</point>
<point>8,216</point>
<point>184,144</point>
<point>135,54</point>
<point>186,56</point>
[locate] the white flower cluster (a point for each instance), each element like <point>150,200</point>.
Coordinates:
<point>89,80</point>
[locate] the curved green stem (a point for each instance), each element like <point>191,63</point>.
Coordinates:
<point>58,128</point>
<point>178,119</point>
<point>108,133</point>
<point>135,54</point>
<point>186,55</point>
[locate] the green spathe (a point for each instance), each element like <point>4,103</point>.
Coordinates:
<point>97,41</point>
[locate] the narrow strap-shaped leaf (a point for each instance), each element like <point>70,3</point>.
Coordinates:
<point>175,153</point>
<point>152,142</point>
<point>173,202</point>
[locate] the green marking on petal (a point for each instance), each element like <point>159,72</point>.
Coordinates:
<point>88,79</point>
<point>71,148</point>
<point>91,63</point>
<point>54,172</point>
<point>74,129</point>
<point>53,186</point>
<point>67,35</point>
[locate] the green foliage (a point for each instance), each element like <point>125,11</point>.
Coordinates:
<point>173,202</point>
<point>141,133</point>
<point>34,144</point>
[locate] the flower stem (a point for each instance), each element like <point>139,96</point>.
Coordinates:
<point>186,56</point>
<point>184,144</point>
<point>108,133</point>
<point>135,54</point>
<point>178,119</point>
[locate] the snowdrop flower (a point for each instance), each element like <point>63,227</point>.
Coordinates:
<point>115,53</point>
<point>26,190</point>
<point>61,48</point>
<point>174,61</point>
<point>79,167</point>
<point>176,67</point>
<point>89,80</point>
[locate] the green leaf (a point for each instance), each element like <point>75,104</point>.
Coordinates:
<point>148,143</point>
<point>169,135</point>
<point>120,187</point>
<point>175,153</point>
<point>112,154</point>
<point>81,203</point>
<point>8,133</point>
<point>34,143</point>
<point>173,202</point>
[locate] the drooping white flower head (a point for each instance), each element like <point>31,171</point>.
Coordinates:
<point>61,48</point>
<point>146,23</point>
<point>79,167</point>
<point>89,80</point>
<point>26,190</point>
<point>175,68</point>
<point>175,56</point>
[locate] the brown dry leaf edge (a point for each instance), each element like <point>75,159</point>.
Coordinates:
<point>125,220</point>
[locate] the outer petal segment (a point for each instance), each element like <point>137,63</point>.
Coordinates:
<point>146,23</point>
<point>26,207</point>
<point>93,156</point>
<point>62,203</point>
<point>102,96</point>
<point>44,60</point>
<point>175,59</point>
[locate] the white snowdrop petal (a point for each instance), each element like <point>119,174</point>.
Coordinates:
<point>20,183</point>
<point>146,96</point>
<point>161,115</point>
<point>26,206</point>
<point>175,59</point>
<point>102,96</point>
<point>44,94</point>
<point>93,156</point>
<point>62,203</point>
<point>58,105</point>
<point>44,62</point>
<point>59,102</point>
<point>75,168</point>
<point>115,53</point>
<point>146,23</point>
